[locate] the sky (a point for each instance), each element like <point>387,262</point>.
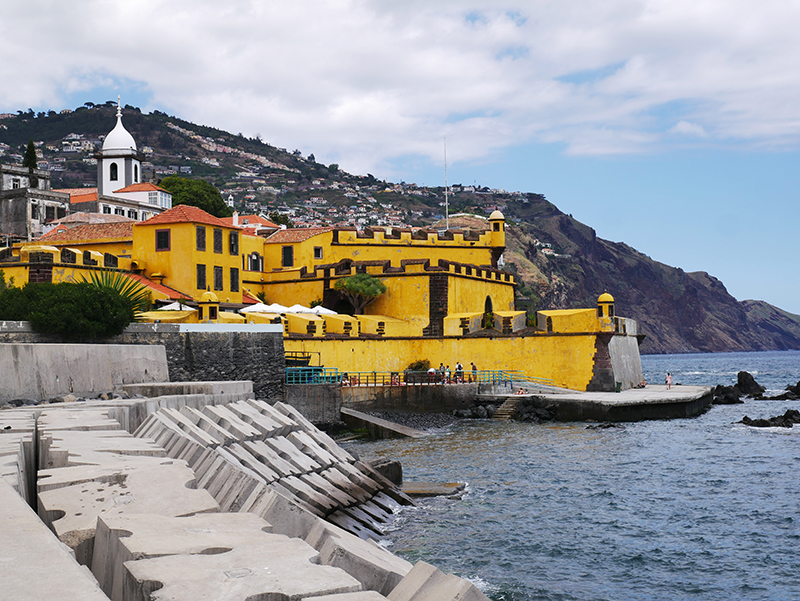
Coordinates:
<point>670,125</point>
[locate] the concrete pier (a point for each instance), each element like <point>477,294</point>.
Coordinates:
<point>634,404</point>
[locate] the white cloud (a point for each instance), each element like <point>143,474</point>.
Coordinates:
<point>361,82</point>
<point>685,128</point>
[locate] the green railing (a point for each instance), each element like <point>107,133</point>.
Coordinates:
<point>331,375</point>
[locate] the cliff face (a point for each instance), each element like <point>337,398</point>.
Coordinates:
<point>678,311</point>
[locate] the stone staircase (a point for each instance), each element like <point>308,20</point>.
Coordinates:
<point>508,408</point>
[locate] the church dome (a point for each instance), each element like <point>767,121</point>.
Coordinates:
<point>496,215</point>
<point>605,298</point>
<point>119,138</point>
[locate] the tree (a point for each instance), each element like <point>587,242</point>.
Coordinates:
<point>360,289</point>
<point>197,193</point>
<point>279,219</point>
<point>333,168</point>
<point>29,161</point>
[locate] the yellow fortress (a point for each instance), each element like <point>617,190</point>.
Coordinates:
<point>446,299</point>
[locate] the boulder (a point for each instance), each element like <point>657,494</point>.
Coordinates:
<point>787,420</point>
<point>747,384</point>
<point>390,469</point>
<point>726,395</point>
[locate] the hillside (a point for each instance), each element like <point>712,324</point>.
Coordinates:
<point>559,262</point>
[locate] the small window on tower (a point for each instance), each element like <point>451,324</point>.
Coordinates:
<point>136,174</point>
<point>113,172</point>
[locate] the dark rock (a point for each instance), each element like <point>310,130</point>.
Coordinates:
<point>726,395</point>
<point>787,420</point>
<point>784,396</point>
<point>480,412</point>
<point>390,469</point>
<point>490,409</point>
<point>747,384</point>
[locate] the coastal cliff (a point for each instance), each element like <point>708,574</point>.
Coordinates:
<point>563,264</point>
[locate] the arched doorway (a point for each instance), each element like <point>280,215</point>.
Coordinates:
<point>488,314</point>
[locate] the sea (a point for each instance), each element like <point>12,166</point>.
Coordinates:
<point>699,508</point>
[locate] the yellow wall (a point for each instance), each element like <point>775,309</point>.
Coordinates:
<point>466,295</point>
<point>179,264</point>
<point>570,320</point>
<point>567,360</point>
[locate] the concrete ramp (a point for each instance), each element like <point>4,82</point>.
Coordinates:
<point>378,428</point>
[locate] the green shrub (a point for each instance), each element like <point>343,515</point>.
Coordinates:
<point>75,311</point>
<point>419,365</point>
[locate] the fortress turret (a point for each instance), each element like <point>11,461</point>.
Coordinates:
<point>497,223</point>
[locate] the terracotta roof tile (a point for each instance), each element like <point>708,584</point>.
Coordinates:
<point>77,191</point>
<point>186,214</point>
<point>144,187</point>
<point>251,221</point>
<point>170,292</point>
<point>95,231</point>
<point>291,235</point>
<point>79,194</point>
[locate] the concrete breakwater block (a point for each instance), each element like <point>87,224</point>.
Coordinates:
<point>426,583</point>
<point>127,538</point>
<point>26,545</point>
<point>72,511</point>
<point>284,569</point>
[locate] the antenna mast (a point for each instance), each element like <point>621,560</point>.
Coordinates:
<point>446,201</point>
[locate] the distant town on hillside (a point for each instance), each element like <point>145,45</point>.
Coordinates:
<point>253,176</point>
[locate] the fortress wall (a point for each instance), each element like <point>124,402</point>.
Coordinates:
<point>568,360</point>
<point>625,361</point>
<point>41,371</point>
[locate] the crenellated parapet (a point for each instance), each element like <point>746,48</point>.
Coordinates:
<point>385,268</point>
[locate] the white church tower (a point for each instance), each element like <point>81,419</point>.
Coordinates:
<point>118,164</point>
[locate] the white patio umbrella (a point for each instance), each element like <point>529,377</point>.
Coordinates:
<point>177,306</point>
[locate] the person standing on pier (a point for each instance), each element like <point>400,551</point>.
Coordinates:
<point>668,380</point>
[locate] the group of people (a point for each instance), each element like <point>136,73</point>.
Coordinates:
<point>445,376</point>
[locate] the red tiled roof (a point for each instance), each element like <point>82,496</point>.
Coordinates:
<point>94,231</point>
<point>297,234</point>
<point>144,187</point>
<point>171,293</point>
<point>186,214</point>
<point>76,191</point>
<point>251,221</point>
<point>79,194</point>
<point>249,299</point>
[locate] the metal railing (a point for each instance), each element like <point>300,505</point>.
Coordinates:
<point>331,375</point>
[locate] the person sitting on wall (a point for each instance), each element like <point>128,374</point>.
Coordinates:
<point>345,380</point>
<point>395,379</point>
<point>432,375</point>
<point>520,391</point>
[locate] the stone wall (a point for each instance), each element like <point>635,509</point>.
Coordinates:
<point>194,356</point>
<point>425,398</point>
<point>320,404</point>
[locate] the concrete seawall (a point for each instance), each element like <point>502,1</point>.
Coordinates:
<point>42,371</point>
<point>191,355</point>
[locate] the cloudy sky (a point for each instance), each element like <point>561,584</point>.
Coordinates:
<point>671,125</point>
